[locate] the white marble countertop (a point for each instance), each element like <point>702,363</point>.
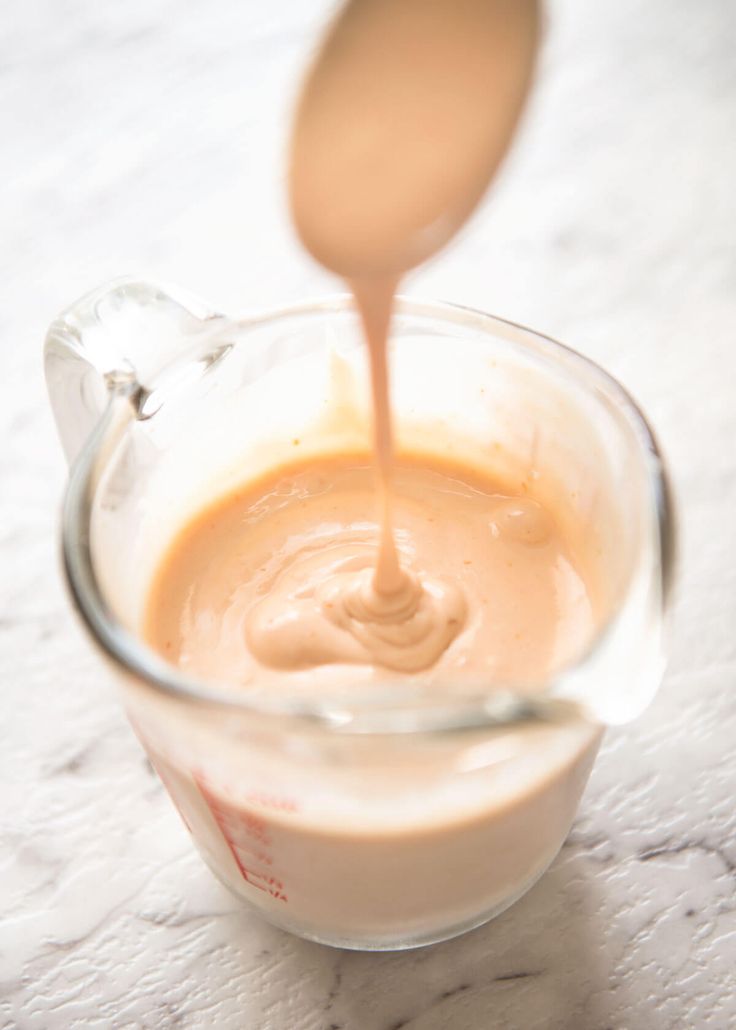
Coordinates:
<point>147,137</point>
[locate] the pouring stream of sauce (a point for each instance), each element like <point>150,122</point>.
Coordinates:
<point>407,112</point>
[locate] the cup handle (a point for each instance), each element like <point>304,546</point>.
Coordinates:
<point>116,340</point>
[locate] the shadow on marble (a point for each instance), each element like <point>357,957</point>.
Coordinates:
<point>538,965</point>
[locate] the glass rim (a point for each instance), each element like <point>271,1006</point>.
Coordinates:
<point>382,710</point>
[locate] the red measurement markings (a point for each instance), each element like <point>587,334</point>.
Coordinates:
<point>275,801</point>
<point>247,837</point>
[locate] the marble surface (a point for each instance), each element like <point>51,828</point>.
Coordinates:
<point>148,137</point>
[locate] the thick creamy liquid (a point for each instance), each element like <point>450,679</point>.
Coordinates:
<point>405,117</point>
<point>359,840</point>
<point>273,584</point>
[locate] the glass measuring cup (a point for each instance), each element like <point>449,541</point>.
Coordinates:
<point>369,818</point>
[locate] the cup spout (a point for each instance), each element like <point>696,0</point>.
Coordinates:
<point>116,340</point>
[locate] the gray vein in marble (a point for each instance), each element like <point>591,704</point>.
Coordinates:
<point>668,848</point>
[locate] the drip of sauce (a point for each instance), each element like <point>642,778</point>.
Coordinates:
<point>407,112</point>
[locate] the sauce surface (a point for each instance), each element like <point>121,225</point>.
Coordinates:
<point>273,584</point>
